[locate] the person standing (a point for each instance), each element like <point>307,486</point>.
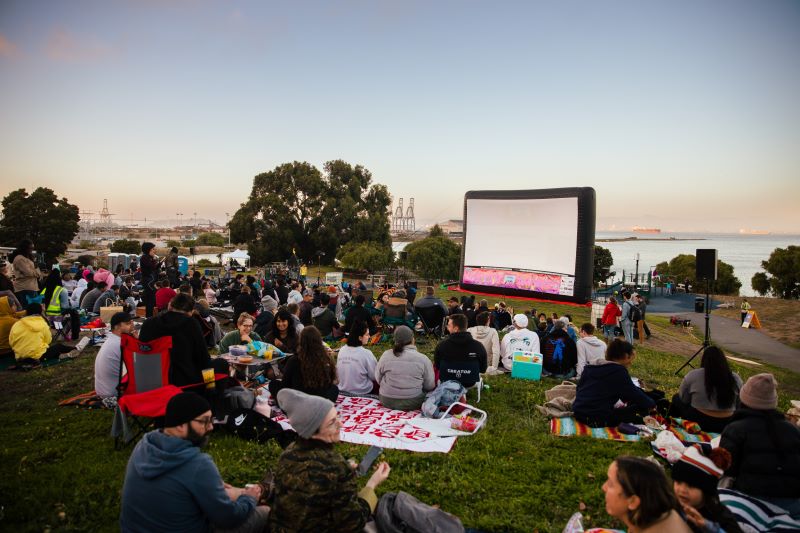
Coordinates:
<point>26,275</point>
<point>611,315</point>
<point>150,266</point>
<point>171,264</point>
<point>625,320</point>
<point>745,307</point>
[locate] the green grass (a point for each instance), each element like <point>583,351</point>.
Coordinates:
<point>511,476</point>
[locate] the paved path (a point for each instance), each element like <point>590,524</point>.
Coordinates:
<point>729,334</point>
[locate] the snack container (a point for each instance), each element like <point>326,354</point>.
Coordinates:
<point>238,350</point>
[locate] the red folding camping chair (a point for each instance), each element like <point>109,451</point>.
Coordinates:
<point>143,393</point>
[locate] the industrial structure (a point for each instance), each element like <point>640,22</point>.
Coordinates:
<point>403,221</point>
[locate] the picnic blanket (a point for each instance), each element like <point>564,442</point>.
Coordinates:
<point>754,515</point>
<point>569,427</point>
<point>366,421</point>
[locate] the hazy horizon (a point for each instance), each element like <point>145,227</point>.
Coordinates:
<point>682,115</point>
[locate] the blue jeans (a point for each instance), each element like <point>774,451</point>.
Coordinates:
<point>608,331</point>
<point>627,329</point>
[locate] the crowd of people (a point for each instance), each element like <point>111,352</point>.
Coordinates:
<point>171,485</point>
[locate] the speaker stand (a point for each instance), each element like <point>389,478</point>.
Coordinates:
<point>706,336</point>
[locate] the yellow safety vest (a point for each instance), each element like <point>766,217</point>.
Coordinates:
<point>54,307</point>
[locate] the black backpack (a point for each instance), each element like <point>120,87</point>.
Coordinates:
<point>252,425</point>
<point>634,314</point>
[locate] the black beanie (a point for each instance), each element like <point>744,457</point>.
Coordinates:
<point>185,407</point>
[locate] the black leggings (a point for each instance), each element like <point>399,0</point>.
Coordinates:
<point>616,417</point>
<point>711,424</point>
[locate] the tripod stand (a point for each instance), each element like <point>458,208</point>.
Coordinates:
<point>706,336</point>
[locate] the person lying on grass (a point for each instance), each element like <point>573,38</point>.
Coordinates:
<point>315,488</point>
<point>170,485</point>
<point>604,383</point>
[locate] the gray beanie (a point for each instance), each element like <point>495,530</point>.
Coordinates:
<point>760,392</point>
<point>305,412</point>
<point>269,303</point>
<point>403,335</point>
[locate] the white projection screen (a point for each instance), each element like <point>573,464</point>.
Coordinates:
<point>535,243</point>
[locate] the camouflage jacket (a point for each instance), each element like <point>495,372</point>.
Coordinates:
<point>316,491</point>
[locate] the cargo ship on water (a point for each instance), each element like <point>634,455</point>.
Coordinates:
<point>753,232</point>
<point>647,231</point>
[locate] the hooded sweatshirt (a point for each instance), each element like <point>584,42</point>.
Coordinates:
<point>324,320</point>
<point>170,485</point>
<point>518,339</point>
<point>189,353</point>
<point>560,353</point>
<point>491,343</point>
<point>460,351</point>
<point>7,320</point>
<point>406,376</point>
<point>599,389</point>
<point>30,337</point>
<point>590,350</point>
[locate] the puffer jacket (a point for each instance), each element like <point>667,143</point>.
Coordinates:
<point>7,320</point>
<point>765,449</point>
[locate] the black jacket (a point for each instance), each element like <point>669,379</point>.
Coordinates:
<point>766,453</point>
<point>263,323</point>
<point>243,304</point>
<point>459,351</point>
<point>189,354</point>
<point>358,312</point>
<point>599,389</point>
<point>283,293</point>
<point>558,342</point>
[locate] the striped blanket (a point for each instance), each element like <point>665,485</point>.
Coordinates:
<point>569,427</point>
<point>755,515</point>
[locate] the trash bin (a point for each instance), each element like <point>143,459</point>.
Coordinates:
<point>699,304</point>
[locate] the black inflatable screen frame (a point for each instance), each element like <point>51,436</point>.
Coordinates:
<point>584,253</point>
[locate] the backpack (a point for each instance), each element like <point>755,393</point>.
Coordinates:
<point>400,512</point>
<point>251,425</point>
<point>634,313</point>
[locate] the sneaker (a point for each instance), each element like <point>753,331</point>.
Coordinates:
<point>83,343</point>
<point>69,355</point>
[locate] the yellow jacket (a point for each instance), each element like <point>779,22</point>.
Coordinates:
<point>7,319</point>
<point>30,337</point>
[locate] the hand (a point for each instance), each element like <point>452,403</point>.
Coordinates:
<point>246,339</point>
<point>232,492</point>
<point>694,516</point>
<point>278,343</point>
<point>380,475</point>
<point>254,491</point>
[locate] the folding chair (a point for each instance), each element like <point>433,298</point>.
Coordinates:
<point>61,324</point>
<point>432,319</point>
<point>395,315</point>
<point>467,371</point>
<point>144,392</point>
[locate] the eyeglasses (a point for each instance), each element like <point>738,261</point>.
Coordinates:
<point>207,422</point>
<point>247,325</point>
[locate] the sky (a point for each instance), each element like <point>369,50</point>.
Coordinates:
<point>681,114</point>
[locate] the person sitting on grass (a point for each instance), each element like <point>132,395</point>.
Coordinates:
<point>107,298</point>
<point>171,485</point>
<point>189,353</point>
<point>164,294</point>
<point>358,313</point>
<point>356,364</point>
<point>430,300</point>
<point>315,488</point>
<point>243,334</point>
<point>283,335</point>
<point>311,370</point>
<point>487,335</point>
<point>30,338</point>
<point>518,339</point>
<point>265,318</point>
<point>764,446</point>
<point>8,317</point>
<point>91,296</point>
<point>606,382</point>
<point>501,316</point>
<point>56,302</point>
<point>108,362</point>
<point>590,349</point>
<point>458,356</point>
<point>403,374</point>
<point>559,352</point>
<point>708,395</point>
<point>324,319</point>
<point>244,303</point>
<point>694,480</point>
<point>294,310</point>
<point>637,493</point>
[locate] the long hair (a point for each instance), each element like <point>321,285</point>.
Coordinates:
<point>646,480</point>
<point>316,366</point>
<point>357,330</point>
<point>53,281</point>
<point>718,377</point>
<point>283,314</point>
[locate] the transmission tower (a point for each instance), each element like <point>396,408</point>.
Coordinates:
<point>105,216</point>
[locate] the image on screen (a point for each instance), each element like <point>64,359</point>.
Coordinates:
<point>525,244</point>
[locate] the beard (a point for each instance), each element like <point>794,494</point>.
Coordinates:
<point>196,438</point>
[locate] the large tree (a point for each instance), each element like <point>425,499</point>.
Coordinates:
<point>126,246</point>
<point>295,206</point>
<point>602,265</point>
<point>682,267</point>
<point>369,256</point>
<point>50,222</point>
<point>783,267</point>
<point>435,257</point>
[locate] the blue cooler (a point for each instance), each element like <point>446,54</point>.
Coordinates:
<point>526,365</point>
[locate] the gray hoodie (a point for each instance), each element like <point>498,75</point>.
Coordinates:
<point>590,350</point>
<point>491,342</point>
<point>406,376</point>
<point>170,485</point>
